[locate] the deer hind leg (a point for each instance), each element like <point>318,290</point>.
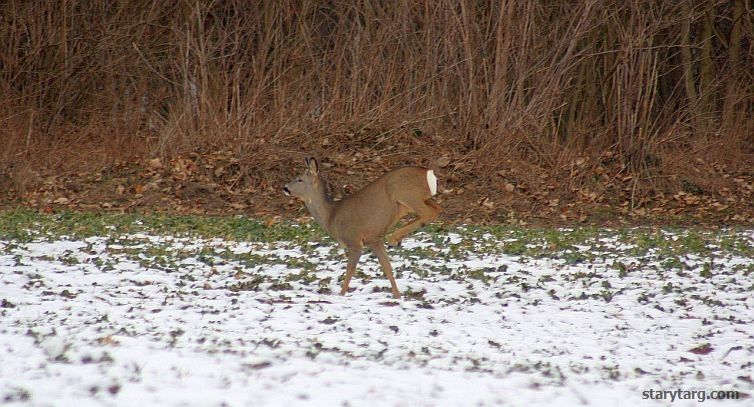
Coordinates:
<point>399,214</point>
<point>354,254</point>
<point>378,249</point>
<point>426,212</point>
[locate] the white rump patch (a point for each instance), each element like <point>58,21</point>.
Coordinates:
<point>432,182</point>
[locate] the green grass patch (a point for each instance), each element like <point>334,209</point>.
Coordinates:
<point>572,246</point>
<point>24,225</point>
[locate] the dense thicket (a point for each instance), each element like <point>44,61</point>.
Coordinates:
<point>543,81</point>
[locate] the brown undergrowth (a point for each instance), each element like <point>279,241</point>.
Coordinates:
<point>588,190</point>
<point>543,111</point>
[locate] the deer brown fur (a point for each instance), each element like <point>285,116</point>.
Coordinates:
<point>365,217</point>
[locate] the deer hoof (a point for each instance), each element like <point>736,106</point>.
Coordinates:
<point>396,295</point>
<point>393,243</point>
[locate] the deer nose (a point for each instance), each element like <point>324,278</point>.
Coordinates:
<point>286,191</point>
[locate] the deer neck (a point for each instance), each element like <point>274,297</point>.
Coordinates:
<point>320,206</point>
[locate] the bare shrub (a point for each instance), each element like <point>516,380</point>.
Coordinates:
<point>538,81</point>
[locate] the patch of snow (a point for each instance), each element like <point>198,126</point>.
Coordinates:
<point>104,322</point>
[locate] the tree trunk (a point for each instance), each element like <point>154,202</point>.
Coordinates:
<point>734,62</point>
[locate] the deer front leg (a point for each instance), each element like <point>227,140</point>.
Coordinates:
<point>379,250</point>
<point>354,254</point>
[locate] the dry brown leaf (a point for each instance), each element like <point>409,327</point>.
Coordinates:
<point>107,340</point>
<point>443,161</point>
<point>154,163</point>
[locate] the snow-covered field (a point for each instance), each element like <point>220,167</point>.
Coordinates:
<point>162,320</point>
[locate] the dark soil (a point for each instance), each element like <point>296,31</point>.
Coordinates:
<point>593,192</point>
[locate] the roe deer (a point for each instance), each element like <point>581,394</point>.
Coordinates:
<point>364,218</point>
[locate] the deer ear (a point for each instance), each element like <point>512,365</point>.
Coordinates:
<point>312,165</point>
